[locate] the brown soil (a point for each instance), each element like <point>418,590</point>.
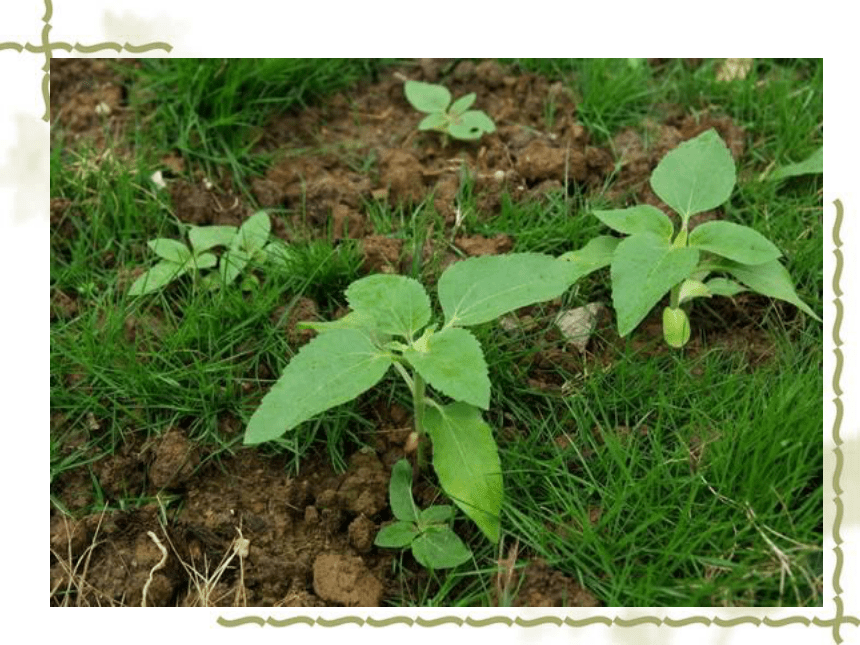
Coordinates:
<point>238,530</point>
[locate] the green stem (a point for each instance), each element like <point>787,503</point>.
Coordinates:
<point>418,390</point>
<point>402,370</point>
<point>680,241</point>
<point>674,296</point>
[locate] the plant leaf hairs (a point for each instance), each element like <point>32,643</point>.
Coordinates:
<point>389,325</point>
<point>654,259</point>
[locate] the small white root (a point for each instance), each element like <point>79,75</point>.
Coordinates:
<point>159,565</point>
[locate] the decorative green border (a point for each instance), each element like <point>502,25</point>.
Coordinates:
<point>46,47</point>
<point>834,623</point>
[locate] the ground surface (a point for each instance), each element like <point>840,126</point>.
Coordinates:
<point>245,528</point>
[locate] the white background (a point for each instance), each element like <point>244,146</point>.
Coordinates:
<point>253,28</point>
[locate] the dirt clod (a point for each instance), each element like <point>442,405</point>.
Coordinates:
<point>345,580</point>
<point>362,532</point>
<point>175,460</point>
<point>543,586</point>
<point>539,161</point>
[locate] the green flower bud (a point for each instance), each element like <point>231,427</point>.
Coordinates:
<point>676,327</point>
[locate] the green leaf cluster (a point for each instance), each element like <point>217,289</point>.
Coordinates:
<point>389,325</point>
<point>655,259</point>
<point>434,544</point>
<point>243,244</point>
<point>455,119</point>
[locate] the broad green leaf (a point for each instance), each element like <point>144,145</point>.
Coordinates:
<point>466,461</point>
<point>157,277</point>
<point>397,535</point>
<point>696,176</point>
<point>471,125</point>
<point>435,121</point>
<point>462,104</point>
<point>769,279</point>
<point>733,241</point>
<point>638,219</point>
<point>278,253</point>
<point>398,304</point>
<point>464,132</point>
<point>691,288</point>
<point>170,250</point>
<point>479,289</point>
<point>452,361</point>
<point>591,257</point>
<point>813,164</point>
<point>644,268</point>
<point>233,262</point>
<point>203,261</point>
<point>440,549</point>
<point>352,320</point>
<point>253,234</point>
<point>479,119</point>
<point>204,238</point>
<point>400,492</point>
<point>427,97</point>
<point>437,514</point>
<point>724,287</point>
<point>331,369</point>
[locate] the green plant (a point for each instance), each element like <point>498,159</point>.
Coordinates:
<point>654,259</point>
<point>389,325</point>
<point>454,119</point>
<point>428,531</point>
<point>812,165</point>
<point>243,244</point>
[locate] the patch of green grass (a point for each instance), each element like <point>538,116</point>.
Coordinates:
<point>657,456</point>
<point>779,103</point>
<point>212,110</point>
<point>610,93</point>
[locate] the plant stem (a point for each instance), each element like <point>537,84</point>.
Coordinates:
<point>679,242</point>
<point>418,389</point>
<point>674,296</point>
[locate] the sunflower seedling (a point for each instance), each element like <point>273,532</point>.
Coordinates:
<point>242,244</point>
<point>654,259</point>
<point>428,531</point>
<point>389,325</point>
<point>454,119</point>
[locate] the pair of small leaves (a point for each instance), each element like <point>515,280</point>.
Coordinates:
<point>457,120</point>
<point>427,531</point>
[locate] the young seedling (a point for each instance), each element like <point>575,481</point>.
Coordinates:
<point>427,531</point>
<point>454,119</point>
<point>389,326</point>
<point>654,259</point>
<point>177,259</point>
